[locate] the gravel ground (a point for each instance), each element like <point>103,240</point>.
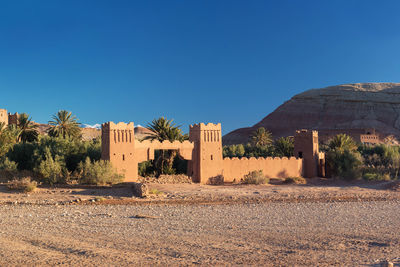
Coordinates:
<point>305,233</point>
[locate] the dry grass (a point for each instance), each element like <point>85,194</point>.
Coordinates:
<point>155,191</point>
<point>24,184</point>
<point>216,180</point>
<point>295,180</point>
<point>255,177</point>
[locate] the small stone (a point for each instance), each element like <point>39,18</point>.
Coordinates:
<point>140,190</point>
<point>387,264</point>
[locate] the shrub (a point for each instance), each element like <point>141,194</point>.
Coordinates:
<point>216,180</point>
<point>255,177</point>
<point>295,180</point>
<point>8,165</point>
<point>98,173</point>
<point>345,163</point>
<point>68,151</point>
<point>155,191</point>
<point>146,168</point>
<point>370,176</point>
<point>25,184</point>
<point>49,169</point>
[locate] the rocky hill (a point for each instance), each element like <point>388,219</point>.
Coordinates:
<point>348,107</point>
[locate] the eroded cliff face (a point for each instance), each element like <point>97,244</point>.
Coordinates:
<point>348,106</point>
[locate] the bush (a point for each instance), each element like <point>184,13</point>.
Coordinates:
<point>8,165</point>
<point>146,168</point>
<point>98,173</point>
<point>345,164</point>
<point>68,151</point>
<point>255,177</point>
<point>155,191</point>
<point>376,176</point>
<point>295,180</point>
<point>216,180</point>
<point>25,185</point>
<point>49,169</point>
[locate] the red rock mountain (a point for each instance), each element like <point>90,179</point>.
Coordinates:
<point>347,108</point>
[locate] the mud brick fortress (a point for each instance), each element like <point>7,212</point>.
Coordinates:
<point>203,151</point>
<point>8,118</point>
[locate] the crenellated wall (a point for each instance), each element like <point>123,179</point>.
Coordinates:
<point>235,168</point>
<point>204,153</point>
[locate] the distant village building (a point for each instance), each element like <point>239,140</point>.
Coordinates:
<point>8,118</point>
<point>364,136</point>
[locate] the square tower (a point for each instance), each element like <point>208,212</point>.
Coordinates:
<point>207,158</point>
<point>118,146</point>
<point>306,147</point>
<point>4,116</point>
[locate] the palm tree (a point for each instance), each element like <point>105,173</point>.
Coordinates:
<point>261,137</point>
<point>29,132</point>
<point>13,133</point>
<point>64,124</point>
<point>342,142</point>
<point>284,146</point>
<point>164,129</point>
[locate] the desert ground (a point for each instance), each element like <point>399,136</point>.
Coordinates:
<point>322,223</point>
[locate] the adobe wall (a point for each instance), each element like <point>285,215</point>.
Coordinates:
<point>235,168</point>
<point>4,116</point>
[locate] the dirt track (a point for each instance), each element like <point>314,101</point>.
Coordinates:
<point>339,225</point>
<point>274,233</point>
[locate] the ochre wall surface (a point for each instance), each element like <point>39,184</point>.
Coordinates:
<point>306,147</point>
<point>118,147</point>
<point>235,168</point>
<point>207,153</point>
<point>4,116</point>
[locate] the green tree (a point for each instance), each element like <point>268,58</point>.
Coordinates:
<point>261,137</point>
<point>343,158</point>
<point>13,132</point>
<point>8,137</point>
<point>163,129</point>
<point>29,132</point>
<point>342,142</point>
<point>284,147</point>
<point>344,163</point>
<point>64,125</point>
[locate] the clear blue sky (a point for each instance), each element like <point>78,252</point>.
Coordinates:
<point>228,61</point>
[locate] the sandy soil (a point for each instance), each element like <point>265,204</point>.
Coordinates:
<point>324,223</point>
<point>316,190</point>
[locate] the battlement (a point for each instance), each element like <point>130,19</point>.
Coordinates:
<point>305,132</point>
<point>254,159</point>
<point>155,144</point>
<point>272,167</point>
<point>202,126</point>
<point>118,126</point>
<point>13,118</point>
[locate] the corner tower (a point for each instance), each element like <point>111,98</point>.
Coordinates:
<point>4,116</point>
<point>306,147</point>
<point>207,159</point>
<point>118,146</point>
